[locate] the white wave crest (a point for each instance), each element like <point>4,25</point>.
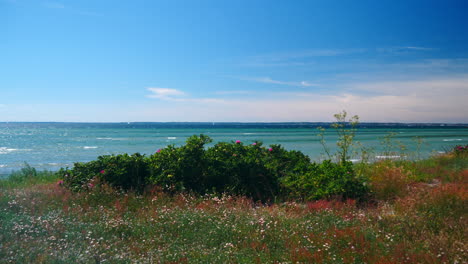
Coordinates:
<point>6,150</point>
<point>388,157</point>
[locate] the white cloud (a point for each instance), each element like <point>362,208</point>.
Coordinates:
<point>164,93</point>
<point>174,95</point>
<point>435,100</point>
<point>423,100</point>
<point>270,80</point>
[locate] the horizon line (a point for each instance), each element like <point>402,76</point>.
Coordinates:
<point>226,122</point>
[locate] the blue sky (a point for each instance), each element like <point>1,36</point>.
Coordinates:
<point>107,61</point>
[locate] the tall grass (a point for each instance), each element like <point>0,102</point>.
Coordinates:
<point>419,219</point>
<point>28,176</point>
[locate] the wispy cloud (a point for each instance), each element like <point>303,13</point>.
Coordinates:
<point>423,100</point>
<point>164,93</point>
<point>429,87</point>
<point>296,58</point>
<point>272,81</point>
<point>404,49</point>
<point>236,92</point>
<point>169,94</point>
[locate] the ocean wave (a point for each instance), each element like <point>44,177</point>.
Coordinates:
<point>6,150</point>
<point>388,157</point>
<point>3,165</point>
<point>249,133</point>
<point>111,138</point>
<point>453,139</point>
<point>90,147</point>
<point>171,137</point>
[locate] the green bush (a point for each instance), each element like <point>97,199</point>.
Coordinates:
<point>326,180</point>
<point>121,171</point>
<point>180,168</point>
<point>251,170</point>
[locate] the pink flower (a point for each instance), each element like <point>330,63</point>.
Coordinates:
<point>102,171</point>
<point>238,141</point>
<point>270,149</point>
<point>254,144</point>
<point>234,155</point>
<point>159,150</point>
<point>90,185</point>
<point>60,183</point>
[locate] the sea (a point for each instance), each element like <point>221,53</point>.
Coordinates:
<point>51,146</point>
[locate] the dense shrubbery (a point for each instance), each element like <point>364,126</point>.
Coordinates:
<point>251,170</point>
<point>122,171</point>
<point>326,180</point>
<point>180,168</point>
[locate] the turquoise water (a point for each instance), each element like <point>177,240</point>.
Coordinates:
<point>51,146</point>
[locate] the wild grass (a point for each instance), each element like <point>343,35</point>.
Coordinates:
<point>28,176</point>
<point>417,213</point>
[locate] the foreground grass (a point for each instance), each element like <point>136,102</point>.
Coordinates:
<point>417,214</point>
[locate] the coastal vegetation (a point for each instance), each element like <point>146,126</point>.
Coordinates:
<point>237,203</point>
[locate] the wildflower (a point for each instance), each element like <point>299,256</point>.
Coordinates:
<point>238,141</point>
<point>159,150</point>
<point>60,183</point>
<point>234,155</point>
<point>102,171</point>
<point>90,185</point>
<point>270,149</point>
<point>254,144</point>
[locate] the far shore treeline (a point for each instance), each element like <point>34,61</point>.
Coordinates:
<point>225,125</point>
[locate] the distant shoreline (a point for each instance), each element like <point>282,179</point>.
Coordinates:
<point>224,125</point>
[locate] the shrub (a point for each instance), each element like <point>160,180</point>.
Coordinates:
<point>180,168</point>
<point>121,171</point>
<point>326,180</point>
<point>251,170</point>
<point>124,171</point>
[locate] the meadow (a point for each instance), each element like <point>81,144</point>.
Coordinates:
<point>416,213</point>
